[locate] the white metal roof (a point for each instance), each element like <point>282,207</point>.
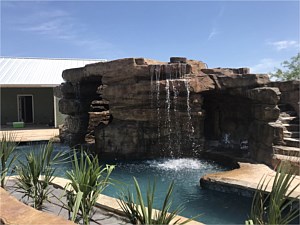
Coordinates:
<point>36,72</point>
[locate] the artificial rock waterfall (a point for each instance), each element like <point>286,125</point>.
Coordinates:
<point>138,107</point>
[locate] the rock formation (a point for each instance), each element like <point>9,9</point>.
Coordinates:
<point>138,107</point>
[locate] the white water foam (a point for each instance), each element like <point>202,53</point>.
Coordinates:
<point>178,164</point>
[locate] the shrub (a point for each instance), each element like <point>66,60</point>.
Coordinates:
<point>87,180</point>
<point>275,207</point>
<point>7,148</point>
<point>36,174</point>
<point>139,213</point>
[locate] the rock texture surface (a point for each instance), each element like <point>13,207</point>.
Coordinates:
<point>137,107</point>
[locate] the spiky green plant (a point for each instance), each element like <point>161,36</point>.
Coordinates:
<point>139,213</point>
<point>275,207</point>
<point>36,173</point>
<point>7,148</point>
<point>87,180</point>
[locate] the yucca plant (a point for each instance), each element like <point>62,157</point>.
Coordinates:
<point>275,207</point>
<point>87,180</point>
<point>36,173</point>
<point>139,213</point>
<point>7,148</point>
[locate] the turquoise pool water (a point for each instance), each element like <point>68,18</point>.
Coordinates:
<point>215,207</point>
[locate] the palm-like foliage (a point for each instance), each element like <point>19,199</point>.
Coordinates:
<point>7,148</point>
<point>275,207</point>
<point>87,180</point>
<point>36,174</point>
<point>138,213</point>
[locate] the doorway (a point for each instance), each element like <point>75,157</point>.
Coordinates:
<point>25,108</point>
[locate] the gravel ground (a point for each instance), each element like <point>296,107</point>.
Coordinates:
<point>55,206</point>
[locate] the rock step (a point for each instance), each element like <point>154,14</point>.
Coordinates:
<point>292,142</point>
<point>287,119</point>
<point>284,150</point>
<point>288,113</point>
<point>292,134</point>
<point>291,127</point>
<point>293,160</point>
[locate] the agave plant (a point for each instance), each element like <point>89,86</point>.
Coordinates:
<point>275,207</point>
<point>139,213</point>
<point>36,174</point>
<point>87,180</point>
<point>7,148</point>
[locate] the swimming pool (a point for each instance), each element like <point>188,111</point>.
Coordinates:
<point>215,207</point>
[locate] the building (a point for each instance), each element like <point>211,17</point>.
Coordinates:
<point>26,89</point>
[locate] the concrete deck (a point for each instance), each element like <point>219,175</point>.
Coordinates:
<point>31,134</point>
<point>244,180</point>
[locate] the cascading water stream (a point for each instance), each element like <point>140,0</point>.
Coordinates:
<point>168,118</point>
<point>177,141</point>
<point>170,130</point>
<point>190,126</point>
<point>157,76</point>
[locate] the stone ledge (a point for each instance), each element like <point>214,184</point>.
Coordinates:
<point>244,180</point>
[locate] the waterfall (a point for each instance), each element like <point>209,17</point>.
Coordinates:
<point>168,118</point>
<point>169,123</point>
<point>152,89</point>
<point>190,126</point>
<point>177,138</point>
<point>157,77</point>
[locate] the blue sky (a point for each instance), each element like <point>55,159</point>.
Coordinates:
<point>255,34</point>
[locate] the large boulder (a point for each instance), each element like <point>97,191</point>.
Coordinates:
<point>289,93</point>
<point>266,95</point>
<point>265,112</point>
<point>230,81</point>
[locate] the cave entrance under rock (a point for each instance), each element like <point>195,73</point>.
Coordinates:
<point>227,120</point>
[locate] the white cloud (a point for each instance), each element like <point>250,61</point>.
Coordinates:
<point>265,65</point>
<point>214,31</point>
<point>212,34</point>
<point>61,25</point>
<point>284,44</point>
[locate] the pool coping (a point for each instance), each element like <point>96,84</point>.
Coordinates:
<point>108,203</point>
